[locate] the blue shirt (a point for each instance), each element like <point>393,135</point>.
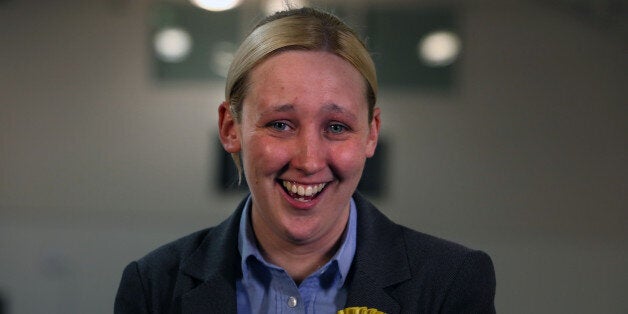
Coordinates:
<point>267,288</point>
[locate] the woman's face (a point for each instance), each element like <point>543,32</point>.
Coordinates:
<point>304,137</point>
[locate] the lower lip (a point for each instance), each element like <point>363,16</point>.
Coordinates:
<point>298,204</point>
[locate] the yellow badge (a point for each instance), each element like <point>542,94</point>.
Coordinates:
<point>359,310</point>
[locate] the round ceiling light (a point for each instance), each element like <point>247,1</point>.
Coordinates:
<point>172,44</point>
<point>439,48</point>
<point>216,5</point>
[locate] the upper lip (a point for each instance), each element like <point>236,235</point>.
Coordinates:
<point>304,183</point>
<point>303,189</point>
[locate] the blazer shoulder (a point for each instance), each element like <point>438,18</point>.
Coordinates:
<point>421,272</point>
<point>147,284</point>
<point>426,250</point>
<point>157,282</point>
<point>432,246</point>
<point>172,254</point>
<point>462,279</point>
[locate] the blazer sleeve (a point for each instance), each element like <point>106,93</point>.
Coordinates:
<point>473,287</point>
<point>131,297</point>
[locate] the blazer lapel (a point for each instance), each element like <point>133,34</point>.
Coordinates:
<point>367,291</point>
<point>216,265</point>
<point>380,262</point>
<point>213,296</point>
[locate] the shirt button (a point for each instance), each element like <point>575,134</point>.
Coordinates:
<point>292,301</point>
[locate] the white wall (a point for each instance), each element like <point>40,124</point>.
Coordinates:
<point>527,159</point>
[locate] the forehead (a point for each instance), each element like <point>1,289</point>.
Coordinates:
<point>307,76</point>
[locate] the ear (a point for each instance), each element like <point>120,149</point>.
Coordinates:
<point>228,129</point>
<point>371,142</point>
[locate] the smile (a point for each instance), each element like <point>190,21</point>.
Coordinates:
<point>303,193</point>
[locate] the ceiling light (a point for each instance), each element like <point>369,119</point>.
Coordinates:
<point>216,5</point>
<point>221,56</point>
<point>172,44</point>
<point>439,48</point>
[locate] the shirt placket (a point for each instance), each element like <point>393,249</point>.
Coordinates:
<point>287,296</point>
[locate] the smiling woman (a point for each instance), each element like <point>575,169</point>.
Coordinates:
<point>304,123</point>
<point>300,121</point>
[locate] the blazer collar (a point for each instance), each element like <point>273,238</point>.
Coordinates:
<point>380,261</point>
<point>379,264</point>
<point>216,265</point>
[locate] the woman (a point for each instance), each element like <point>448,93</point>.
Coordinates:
<point>300,120</point>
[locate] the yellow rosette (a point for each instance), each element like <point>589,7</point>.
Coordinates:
<point>359,310</point>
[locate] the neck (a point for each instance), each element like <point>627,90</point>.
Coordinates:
<point>299,258</point>
<point>299,262</point>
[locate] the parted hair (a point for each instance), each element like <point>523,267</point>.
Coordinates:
<point>298,29</point>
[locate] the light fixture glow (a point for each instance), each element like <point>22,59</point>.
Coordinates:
<point>216,5</point>
<point>439,48</point>
<point>172,44</point>
<point>221,56</point>
<point>273,6</point>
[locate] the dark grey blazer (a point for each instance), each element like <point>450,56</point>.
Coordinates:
<point>395,270</point>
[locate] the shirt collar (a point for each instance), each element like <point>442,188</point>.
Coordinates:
<point>247,244</point>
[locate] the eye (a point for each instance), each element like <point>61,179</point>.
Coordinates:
<point>337,128</point>
<point>278,126</point>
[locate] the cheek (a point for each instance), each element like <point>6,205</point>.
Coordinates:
<point>348,159</point>
<point>264,155</point>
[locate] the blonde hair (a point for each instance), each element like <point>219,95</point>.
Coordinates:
<point>297,29</point>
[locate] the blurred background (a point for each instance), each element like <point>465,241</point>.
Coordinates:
<point>505,128</point>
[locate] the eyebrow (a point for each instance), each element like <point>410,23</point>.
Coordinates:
<point>278,108</point>
<point>334,108</point>
<point>329,108</point>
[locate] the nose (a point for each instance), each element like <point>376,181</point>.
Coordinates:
<point>310,153</point>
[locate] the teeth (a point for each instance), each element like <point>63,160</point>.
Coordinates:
<point>303,190</point>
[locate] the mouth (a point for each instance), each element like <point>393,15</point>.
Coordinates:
<point>300,192</point>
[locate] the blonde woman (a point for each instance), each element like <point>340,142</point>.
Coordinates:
<point>300,121</point>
